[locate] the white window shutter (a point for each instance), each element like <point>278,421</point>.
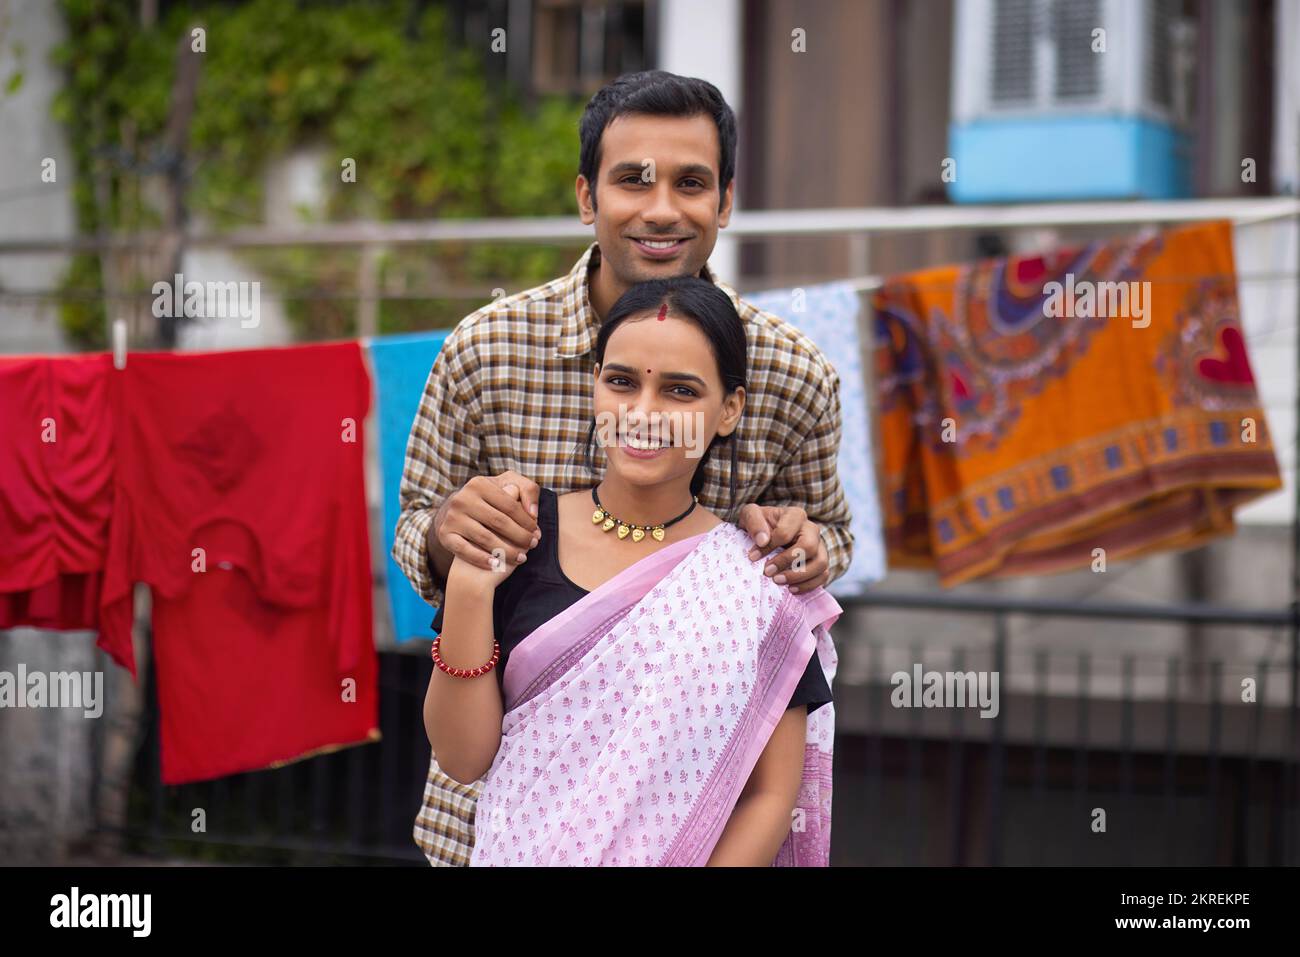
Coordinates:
<point>1013,51</point>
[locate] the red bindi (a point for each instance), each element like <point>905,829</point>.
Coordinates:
<point>663,312</point>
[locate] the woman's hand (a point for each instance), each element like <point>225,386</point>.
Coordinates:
<point>465,575</point>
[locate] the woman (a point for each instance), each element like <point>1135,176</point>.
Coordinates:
<point>658,699</point>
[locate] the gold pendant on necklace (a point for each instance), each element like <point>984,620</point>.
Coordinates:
<point>606,522</point>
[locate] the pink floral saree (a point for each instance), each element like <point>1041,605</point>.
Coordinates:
<point>634,718</point>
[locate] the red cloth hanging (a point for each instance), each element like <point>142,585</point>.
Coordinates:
<point>56,489</point>
<point>240,500</point>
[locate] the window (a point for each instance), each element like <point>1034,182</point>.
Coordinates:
<point>579,45</point>
<point>1078,68</point>
<point>1014,30</point>
<point>1042,51</point>
<point>1035,55</point>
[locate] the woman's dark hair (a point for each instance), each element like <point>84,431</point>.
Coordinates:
<point>656,93</point>
<point>696,300</point>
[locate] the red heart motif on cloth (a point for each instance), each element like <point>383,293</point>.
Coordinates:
<point>1231,365</point>
<point>1029,269</point>
<point>959,387</point>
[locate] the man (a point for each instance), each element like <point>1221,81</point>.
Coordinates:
<point>509,396</point>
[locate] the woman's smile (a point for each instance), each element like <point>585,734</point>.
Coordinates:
<point>648,453</point>
<point>643,448</point>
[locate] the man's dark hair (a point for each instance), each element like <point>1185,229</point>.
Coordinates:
<point>656,93</point>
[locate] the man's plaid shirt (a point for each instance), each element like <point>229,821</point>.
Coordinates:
<point>511,390</point>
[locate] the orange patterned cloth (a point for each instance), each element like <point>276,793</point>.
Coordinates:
<point>1034,409</point>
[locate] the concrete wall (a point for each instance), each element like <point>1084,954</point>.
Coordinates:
<point>704,40</point>
<point>29,206</point>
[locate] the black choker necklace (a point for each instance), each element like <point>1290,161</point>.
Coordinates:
<point>602,518</point>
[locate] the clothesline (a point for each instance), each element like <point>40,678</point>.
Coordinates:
<point>872,282</point>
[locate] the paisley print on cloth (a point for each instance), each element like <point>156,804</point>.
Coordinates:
<point>996,346</point>
<point>1017,439</point>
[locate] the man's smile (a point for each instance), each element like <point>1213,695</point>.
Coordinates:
<point>665,248</point>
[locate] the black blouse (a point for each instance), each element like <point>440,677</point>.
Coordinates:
<point>538,590</point>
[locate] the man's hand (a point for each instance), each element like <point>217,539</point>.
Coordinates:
<point>804,564</point>
<point>485,516</point>
<point>465,574</point>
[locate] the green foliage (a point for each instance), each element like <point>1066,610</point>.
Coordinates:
<point>380,83</point>
<point>81,312</point>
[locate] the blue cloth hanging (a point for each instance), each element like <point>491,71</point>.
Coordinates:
<point>401,368</point>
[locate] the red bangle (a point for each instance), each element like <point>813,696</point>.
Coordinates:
<point>466,672</point>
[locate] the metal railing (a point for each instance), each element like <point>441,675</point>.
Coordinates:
<point>1143,790</point>
<point>937,787</point>
<point>745,224</point>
